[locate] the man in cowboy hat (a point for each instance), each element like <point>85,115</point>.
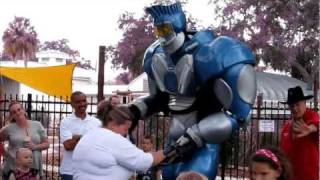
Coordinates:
<point>300,136</point>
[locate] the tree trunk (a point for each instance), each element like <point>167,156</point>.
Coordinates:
<point>306,76</point>
<point>311,78</point>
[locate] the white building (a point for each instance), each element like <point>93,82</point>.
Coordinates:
<point>84,80</point>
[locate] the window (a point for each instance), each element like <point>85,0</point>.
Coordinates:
<point>59,60</point>
<point>46,59</point>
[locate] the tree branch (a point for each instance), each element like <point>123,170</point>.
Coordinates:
<point>306,76</point>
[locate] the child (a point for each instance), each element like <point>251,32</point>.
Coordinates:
<point>152,173</point>
<point>270,163</point>
<point>23,170</point>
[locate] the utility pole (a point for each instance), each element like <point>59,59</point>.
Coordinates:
<point>102,52</point>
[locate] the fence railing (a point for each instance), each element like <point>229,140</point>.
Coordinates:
<point>264,128</point>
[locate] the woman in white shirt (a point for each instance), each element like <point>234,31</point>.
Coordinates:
<point>105,153</point>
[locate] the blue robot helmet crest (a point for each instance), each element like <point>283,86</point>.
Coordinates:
<point>172,14</point>
<point>170,25</point>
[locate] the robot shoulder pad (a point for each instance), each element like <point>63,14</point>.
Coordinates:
<point>147,59</point>
<point>220,54</point>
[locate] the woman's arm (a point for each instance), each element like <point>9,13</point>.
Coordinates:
<point>43,145</point>
<point>44,139</point>
<point>38,147</point>
<point>131,157</point>
<point>158,156</point>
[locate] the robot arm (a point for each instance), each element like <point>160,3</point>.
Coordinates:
<point>236,91</point>
<point>155,102</point>
<point>143,107</point>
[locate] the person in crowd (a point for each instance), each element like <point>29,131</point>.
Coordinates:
<point>22,132</point>
<point>23,169</point>
<point>191,175</point>
<point>72,128</point>
<point>100,107</point>
<point>300,136</point>
<point>106,154</point>
<point>152,173</point>
<point>270,163</point>
<point>114,100</point>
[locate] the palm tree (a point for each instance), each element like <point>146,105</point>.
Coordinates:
<point>20,40</point>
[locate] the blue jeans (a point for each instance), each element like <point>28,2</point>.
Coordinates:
<point>66,177</point>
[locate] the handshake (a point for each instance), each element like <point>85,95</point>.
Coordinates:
<point>183,149</point>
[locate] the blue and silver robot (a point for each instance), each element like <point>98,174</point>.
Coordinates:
<point>207,83</point>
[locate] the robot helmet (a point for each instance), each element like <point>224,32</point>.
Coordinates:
<point>168,18</point>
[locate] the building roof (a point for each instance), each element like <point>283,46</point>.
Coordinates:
<point>274,87</point>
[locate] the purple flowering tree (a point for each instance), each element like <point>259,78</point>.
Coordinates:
<point>60,45</point>
<point>283,34</point>
<point>138,35</point>
<point>128,53</point>
<point>124,78</point>
<point>20,40</point>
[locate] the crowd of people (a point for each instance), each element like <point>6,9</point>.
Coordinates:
<point>297,158</point>
<point>100,148</point>
<point>22,132</point>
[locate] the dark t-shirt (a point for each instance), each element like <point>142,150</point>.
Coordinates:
<point>151,174</point>
<point>19,175</point>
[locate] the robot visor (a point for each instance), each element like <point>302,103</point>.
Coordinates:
<point>164,30</point>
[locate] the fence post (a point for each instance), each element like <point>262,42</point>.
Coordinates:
<point>259,105</point>
<point>29,106</point>
<point>223,160</point>
<point>102,52</point>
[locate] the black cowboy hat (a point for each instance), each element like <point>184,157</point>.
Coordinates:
<point>295,95</point>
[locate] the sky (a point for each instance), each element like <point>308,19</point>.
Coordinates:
<point>87,24</point>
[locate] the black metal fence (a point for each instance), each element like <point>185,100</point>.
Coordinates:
<point>264,128</point>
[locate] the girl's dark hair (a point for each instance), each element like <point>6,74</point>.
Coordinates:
<point>118,114</point>
<point>286,169</point>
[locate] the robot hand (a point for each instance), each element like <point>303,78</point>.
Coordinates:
<point>184,147</point>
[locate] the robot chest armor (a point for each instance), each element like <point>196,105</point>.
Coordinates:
<point>174,79</point>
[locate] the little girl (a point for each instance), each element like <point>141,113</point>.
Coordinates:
<point>270,163</point>
<point>23,170</point>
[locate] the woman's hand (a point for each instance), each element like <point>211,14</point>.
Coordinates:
<point>158,156</point>
<point>30,145</point>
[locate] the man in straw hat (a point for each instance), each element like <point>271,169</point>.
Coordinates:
<point>300,136</point>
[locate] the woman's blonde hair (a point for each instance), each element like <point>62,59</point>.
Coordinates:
<point>11,120</point>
